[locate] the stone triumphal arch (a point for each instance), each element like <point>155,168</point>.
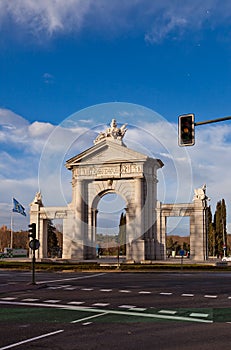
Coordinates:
<point>110,167</point>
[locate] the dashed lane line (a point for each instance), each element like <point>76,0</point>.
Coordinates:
<point>87,289</point>
<point>165,293</point>
<point>106,290</point>
<point>187,295</point>
<point>210,296</point>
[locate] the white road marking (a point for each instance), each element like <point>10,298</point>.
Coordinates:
<point>88,318</point>
<point>101,304</point>
<point>9,298</point>
<point>164,293</point>
<point>137,309</point>
<point>105,290</point>
<point>52,301</point>
<point>31,339</point>
<point>112,312</point>
<point>30,299</point>
<point>168,312</point>
<point>87,323</point>
<point>124,291</point>
<point>210,296</point>
<point>144,292</point>
<point>87,289</point>
<point>187,295</point>
<point>198,314</point>
<point>127,306</point>
<point>72,278</point>
<point>76,302</point>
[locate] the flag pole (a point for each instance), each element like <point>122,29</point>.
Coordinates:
<point>11,230</point>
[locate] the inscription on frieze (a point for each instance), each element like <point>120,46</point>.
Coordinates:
<point>109,171</point>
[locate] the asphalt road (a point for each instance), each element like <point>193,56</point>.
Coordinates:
<point>115,311</point>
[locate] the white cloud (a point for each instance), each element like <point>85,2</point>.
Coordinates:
<point>155,19</point>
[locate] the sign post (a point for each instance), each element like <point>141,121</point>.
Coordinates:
<point>34,245</point>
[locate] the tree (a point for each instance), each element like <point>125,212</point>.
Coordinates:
<point>52,240</point>
<point>211,233</point>
<point>220,227</point>
<point>122,233</point>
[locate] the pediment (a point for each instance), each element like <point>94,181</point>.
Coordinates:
<point>106,152</point>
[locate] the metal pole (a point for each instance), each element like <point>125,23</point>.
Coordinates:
<point>213,121</point>
<point>33,264</point>
<point>11,231</point>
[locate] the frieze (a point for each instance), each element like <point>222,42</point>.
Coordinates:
<point>109,171</point>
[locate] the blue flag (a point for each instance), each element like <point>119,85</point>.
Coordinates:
<point>18,208</point>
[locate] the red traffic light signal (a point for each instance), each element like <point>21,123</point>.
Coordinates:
<point>32,230</point>
<point>186,133</point>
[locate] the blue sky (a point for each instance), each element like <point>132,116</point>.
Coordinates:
<point>60,57</point>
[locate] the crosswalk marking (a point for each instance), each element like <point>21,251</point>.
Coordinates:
<point>52,301</point>
<point>167,312</point>
<point>127,306</point>
<point>101,304</point>
<point>198,314</point>
<point>76,302</point>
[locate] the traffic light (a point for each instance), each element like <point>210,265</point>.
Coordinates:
<point>32,230</point>
<point>186,135</point>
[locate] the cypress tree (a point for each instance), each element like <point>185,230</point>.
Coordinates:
<point>211,233</point>
<point>122,233</point>
<point>220,227</point>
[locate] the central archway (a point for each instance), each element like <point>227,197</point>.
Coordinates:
<point>110,208</point>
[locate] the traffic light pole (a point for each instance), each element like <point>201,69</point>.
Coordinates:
<point>186,124</point>
<point>32,245</point>
<point>33,265</point>
<point>212,121</point>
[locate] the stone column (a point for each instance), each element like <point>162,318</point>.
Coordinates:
<point>198,229</point>
<point>73,235</point>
